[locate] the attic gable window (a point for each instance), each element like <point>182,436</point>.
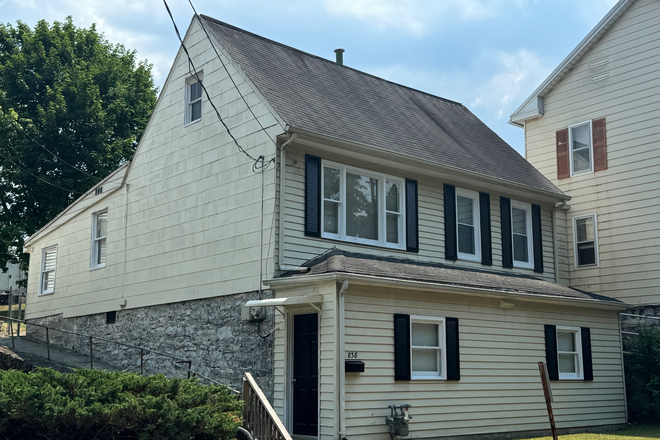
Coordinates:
<point>193,99</point>
<point>581,148</point>
<point>99,239</point>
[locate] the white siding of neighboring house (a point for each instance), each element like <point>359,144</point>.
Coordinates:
<point>500,389</point>
<point>625,196</point>
<point>188,224</point>
<point>299,248</point>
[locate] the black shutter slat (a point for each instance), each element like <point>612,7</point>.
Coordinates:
<point>451,251</point>
<point>453,358</point>
<point>505,216</point>
<point>586,354</point>
<point>537,238</point>
<point>312,196</point>
<point>551,352</point>
<point>486,245</point>
<point>412,222</point>
<point>401,347</point>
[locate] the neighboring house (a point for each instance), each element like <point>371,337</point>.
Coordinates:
<point>9,280</point>
<point>409,252</point>
<point>593,127</point>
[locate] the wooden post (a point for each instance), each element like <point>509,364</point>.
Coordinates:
<point>545,380</point>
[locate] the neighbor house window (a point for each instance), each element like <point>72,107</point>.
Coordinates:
<point>580,148</point>
<point>467,225</point>
<point>362,207</point>
<point>99,238</point>
<point>521,234</point>
<point>427,350</point>
<point>193,99</point>
<point>585,237</point>
<point>47,277</point>
<point>569,353</point>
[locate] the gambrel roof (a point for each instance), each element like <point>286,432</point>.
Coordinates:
<point>325,98</point>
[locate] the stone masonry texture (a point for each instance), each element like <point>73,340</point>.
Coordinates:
<point>208,332</point>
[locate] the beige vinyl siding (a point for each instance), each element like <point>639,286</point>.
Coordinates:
<point>500,389</point>
<point>328,355</point>
<point>625,195</point>
<point>187,225</point>
<point>299,248</point>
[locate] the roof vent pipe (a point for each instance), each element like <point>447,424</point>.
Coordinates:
<point>340,56</point>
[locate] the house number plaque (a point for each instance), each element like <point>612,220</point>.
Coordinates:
<point>351,355</point>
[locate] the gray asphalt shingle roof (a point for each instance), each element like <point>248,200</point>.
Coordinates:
<point>320,96</point>
<point>339,261</point>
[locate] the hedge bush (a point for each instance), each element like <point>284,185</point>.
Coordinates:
<point>93,404</point>
<point>642,364</point>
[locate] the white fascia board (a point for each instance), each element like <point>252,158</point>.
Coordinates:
<point>291,301</point>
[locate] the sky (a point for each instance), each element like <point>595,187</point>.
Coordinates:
<point>489,55</point>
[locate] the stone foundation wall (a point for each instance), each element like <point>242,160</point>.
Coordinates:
<point>631,324</point>
<point>208,332</point>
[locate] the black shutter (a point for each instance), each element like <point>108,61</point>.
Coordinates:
<point>505,216</point>
<point>451,251</point>
<point>486,245</point>
<point>401,347</point>
<point>412,221</point>
<point>537,239</point>
<point>312,195</point>
<point>551,352</point>
<point>586,354</point>
<point>453,358</point>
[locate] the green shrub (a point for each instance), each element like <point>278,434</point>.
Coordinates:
<point>102,405</point>
<point>643,376</point>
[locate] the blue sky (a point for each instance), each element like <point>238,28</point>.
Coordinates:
<point>487,54</point>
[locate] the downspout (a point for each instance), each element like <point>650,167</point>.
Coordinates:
<point>559,206</point>
<point>281,264</point>
<point>342,363</point>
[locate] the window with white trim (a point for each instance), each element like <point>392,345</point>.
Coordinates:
<point>362,206</point>
<point>193,111</point>
<point>569,353</point>
<point>585,239</point>
<point>521,235</point>
<point>427,348</point>
<point>47,275</point>
<point>99,239</point>
<point>468,235</point>
<point>580,148</point>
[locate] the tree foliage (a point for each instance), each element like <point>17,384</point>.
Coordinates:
<point>113,405</point>
<point>72,109</point>
<point>642,362</point>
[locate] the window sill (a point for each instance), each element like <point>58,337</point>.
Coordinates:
<point>47,293</point>
<point>188,124</point>
<point>582,173</point>
<point>428,378</point>
<point>364,243</point>
<point>471,258</point>
<point>523,265</point>
<point>97,267</point>
<point>587,266</point>
<point>570,378</point>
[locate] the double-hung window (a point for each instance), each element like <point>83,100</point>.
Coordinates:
<point>467,225</point>
<point>47,276</point>
<point>521,234</point>
<point>585,239</point>
<point>99,239</point>
<point>427,350</point>
<point>580,152</point>
<point>193,111</point>
<point>569,353</point>
<point>362,206</point>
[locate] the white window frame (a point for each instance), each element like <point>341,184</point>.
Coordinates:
<point>93,264</point>
<point>188,111</point>
<point>527,207</point>
<point>42,271</point>
<point>579,374</point>
<point>594,218</point>
<point>442,339</point>
<point>591,148</point>
<point>476,220</point>
<point>382,213</point>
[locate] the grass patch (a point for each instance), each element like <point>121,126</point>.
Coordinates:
<point>631,433</point>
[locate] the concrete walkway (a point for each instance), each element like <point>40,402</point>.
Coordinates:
<point>62,360</point>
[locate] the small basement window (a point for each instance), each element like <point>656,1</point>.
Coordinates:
<point>110,317</point>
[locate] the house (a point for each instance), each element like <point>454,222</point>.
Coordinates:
<point>592,128</point>
<point>408,252</point>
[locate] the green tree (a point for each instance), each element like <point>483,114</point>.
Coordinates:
<point>72,109</point>
<point>642,362</point>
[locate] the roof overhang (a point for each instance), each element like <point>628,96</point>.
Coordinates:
<point>396,283</point>
<point>532,108</point>
<point>283,302</point>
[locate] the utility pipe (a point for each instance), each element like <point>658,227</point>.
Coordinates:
<point>281,264</point>
<point>342,362</point>
<point>563,206</point>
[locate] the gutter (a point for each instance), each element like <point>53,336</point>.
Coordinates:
<point>370,280</point>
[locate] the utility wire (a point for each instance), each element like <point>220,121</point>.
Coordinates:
<point>256,165</point>
<point>37,177</point>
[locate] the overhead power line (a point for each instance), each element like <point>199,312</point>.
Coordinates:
<point>38,177</point>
